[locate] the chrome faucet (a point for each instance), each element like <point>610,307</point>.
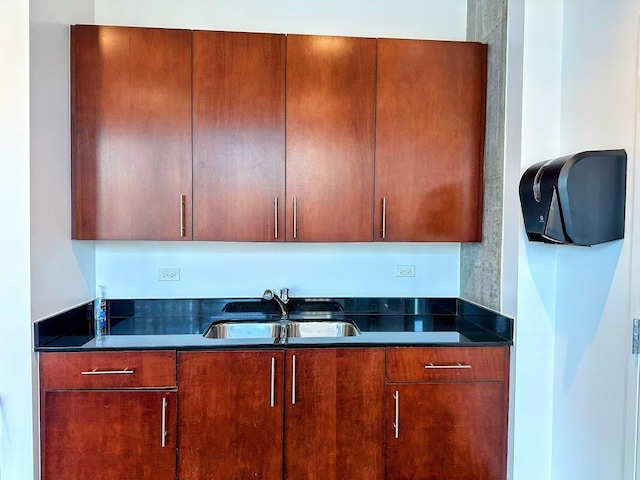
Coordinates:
<point>281,300</point>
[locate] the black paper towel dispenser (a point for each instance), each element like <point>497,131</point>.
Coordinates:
<point>576,199</point>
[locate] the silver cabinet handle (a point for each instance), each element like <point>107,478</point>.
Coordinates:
<point>293,381</point>
<point>95,371</point>
<point>396,424</point>
<point>384,217</point>
<point>273,382</point>
<point>431,366</point>
<point>295,217</point>
<point>163,437</point>
<point>275,217</point>
<point>183,229</point>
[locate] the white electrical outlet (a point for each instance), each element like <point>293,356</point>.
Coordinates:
<point>405,270</point>
<point>169,274</point>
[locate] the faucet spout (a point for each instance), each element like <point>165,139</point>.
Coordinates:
<point>281,302</point>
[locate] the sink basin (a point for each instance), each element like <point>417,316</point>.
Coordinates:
<point>241,329</point>
<point>323,329</point>
<point>274,330</point>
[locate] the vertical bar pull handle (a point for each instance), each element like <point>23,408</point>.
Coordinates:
<point>275,217</point>
<point>183,229</point>
<point>295,217</point>
<point>163,437</point>
<point>293,381</point>
<point>396,424</point>
<point>384,217</point>
<point>273,382</point>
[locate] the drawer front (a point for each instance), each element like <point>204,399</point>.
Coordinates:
<point>71,370</point>
<point>446,364</point>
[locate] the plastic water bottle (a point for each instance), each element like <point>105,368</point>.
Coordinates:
<point>100,313</point>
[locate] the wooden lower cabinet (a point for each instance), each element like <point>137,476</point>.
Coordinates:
<point>237,420</point>
<point>446,413</point>
<point>334,414</point>
<point>447,430</point>
<point>230,415</point>
<point>280,414</point>
<point>109,434</point>
<point>107,416</point>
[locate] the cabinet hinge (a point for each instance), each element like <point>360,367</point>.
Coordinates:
<point>635,346</point>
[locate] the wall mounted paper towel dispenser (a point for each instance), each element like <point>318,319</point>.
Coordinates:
<point>576,199</point>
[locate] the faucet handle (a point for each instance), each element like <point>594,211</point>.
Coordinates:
<point>267,295</point>
<point>284,294</point>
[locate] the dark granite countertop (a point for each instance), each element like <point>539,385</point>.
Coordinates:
<point>180,323</point>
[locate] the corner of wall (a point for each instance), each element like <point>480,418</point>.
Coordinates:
<point>480,263</point>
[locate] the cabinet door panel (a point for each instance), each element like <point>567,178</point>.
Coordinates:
<point>229,429</point>
<point>330,135</point>
<point>108,434</point>
<point>238,136</point>
<point>131,133</point>
<point>455,431</point>
<point>334,428</point>
<point>429,140</point>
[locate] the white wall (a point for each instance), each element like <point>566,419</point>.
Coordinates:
<point>593,329</point>
<point>572,329</point>
<point>375,18</point>
<point>536,274</point>
<point>16,422</point>
<point>129,269</point>
<point>40,266</point>
<point>62,271</point>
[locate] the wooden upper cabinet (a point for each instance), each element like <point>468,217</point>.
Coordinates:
<point>429,140</point>
<point>330,138</point>
<point>131,133</point>
<point>238,136</point>
<point>180,135</point>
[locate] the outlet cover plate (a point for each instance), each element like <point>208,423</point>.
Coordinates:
<point>168,274</point>
<point>405,270</point>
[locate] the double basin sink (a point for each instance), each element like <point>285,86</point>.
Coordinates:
<point>307,320</point>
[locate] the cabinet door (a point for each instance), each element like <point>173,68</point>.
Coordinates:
<point>131,133</point>
<point>238,136</point>
<point>334,414</point>
<point>330,135</point>
<point>429,140</point>
<point>230,415</point>
<point>455,431</point>
<point>108,434</point>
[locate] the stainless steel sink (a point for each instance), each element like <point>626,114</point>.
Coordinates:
<point>243,329</point>
<point>280,330</point>
<point>322,329</point>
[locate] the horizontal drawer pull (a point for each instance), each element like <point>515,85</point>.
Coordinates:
<point>431,366</point>
<point>95,371</point>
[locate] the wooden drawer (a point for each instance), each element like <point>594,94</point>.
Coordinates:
<point>102,370</point>
<point>446,364</point>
